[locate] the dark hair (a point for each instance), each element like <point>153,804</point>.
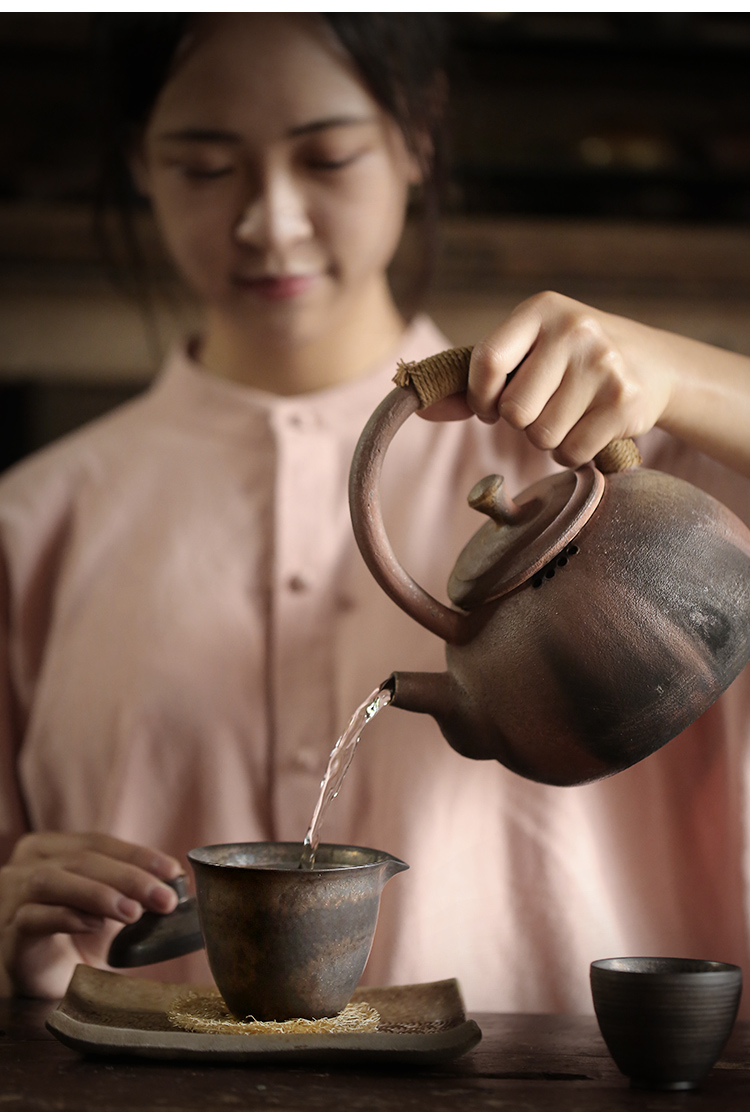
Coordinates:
<point>399,56</point>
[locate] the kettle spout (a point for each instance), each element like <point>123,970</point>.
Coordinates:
<point>423,692</point>
<point>440,695</point>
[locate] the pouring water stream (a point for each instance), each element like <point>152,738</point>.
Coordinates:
<point>338,763</point>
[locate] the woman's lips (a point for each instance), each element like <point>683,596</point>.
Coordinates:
<point>277,288</point>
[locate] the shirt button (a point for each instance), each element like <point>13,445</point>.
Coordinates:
<point>304,420</point>
<point>301,420</point>
<point>307,760</point>
<point>298,584</point>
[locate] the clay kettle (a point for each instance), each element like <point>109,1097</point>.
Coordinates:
<point>594,616</point>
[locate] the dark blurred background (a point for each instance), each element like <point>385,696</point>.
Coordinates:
<point>605,155</point>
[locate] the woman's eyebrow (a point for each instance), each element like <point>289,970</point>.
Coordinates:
<point>329,121</point>
<point>220,135</point>
<point>201,135</point>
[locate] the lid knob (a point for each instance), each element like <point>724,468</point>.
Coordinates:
<point>491,497</point>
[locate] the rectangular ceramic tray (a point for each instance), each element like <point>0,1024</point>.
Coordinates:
<point>113,1014</point>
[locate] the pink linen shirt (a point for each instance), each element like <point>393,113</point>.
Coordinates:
<point>190,626</point>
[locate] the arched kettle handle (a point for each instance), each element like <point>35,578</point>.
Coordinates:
<point>364,484</point>
<point>419,385</point>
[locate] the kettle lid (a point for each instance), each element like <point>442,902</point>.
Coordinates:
<point>523,535</point>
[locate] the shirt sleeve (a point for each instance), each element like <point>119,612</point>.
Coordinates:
<point>13,820</point>
<point>666,453</point>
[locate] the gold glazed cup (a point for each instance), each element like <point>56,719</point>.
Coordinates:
<point>285,942</point>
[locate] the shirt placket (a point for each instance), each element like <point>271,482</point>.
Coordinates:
<point>301,617</point>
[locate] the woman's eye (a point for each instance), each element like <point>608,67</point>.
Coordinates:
<point>319,162</point>
<point>205,173</point>
<point>198,171</point>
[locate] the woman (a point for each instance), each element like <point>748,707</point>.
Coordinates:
<point>189,624</point>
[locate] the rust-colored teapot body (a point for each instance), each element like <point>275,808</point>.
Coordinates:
<point>594,618</point>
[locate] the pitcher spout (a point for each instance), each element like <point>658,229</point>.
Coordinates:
<point>391,866</point>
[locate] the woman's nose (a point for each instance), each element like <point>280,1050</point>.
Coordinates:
<point>276,217</point>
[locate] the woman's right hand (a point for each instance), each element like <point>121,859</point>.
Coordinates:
<point>62,897</point>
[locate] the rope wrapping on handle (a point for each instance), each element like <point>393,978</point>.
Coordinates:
<point>437,377</point>
<point>618,455</point>
<point>447,373</point>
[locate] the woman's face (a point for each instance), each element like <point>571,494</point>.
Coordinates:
<point>278,182</point>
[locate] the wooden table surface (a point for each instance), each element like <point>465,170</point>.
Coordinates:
<point>524,1063</point>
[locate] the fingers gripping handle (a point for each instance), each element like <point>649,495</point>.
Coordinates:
<point>447,373</point>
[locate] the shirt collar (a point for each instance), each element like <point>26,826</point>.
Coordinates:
<point>185,388</point>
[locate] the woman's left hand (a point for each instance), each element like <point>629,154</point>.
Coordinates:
<point>582,377</point>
